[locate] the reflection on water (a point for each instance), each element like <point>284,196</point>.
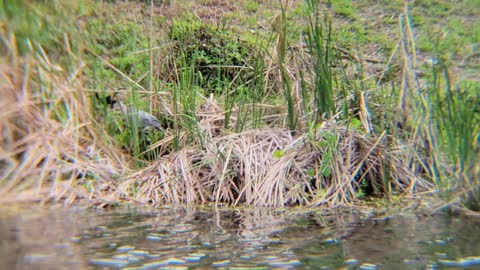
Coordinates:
<point>240,239</point>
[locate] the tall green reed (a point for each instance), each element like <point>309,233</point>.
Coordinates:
<point>282,46</point>
<point>455,131</point>
<point>318,38</point>
<point>186,83</point>
<point>257,86</point>
<point>251,93</point>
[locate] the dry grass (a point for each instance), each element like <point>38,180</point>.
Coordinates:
<point>50,148</point>
<point>269,167</point>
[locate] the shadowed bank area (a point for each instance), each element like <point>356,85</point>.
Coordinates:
<point>272,103</point>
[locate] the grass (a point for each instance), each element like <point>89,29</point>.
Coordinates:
<point>319,43</point>
<point>268,167</point>
<point>458,140</point>
<point>312,105</point>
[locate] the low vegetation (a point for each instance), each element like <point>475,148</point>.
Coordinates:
<point>270,103</point>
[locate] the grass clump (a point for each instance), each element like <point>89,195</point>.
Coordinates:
<point>221,59</point>
<point>454,128</point>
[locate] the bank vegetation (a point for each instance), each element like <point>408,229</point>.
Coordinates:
<point>292,111</point>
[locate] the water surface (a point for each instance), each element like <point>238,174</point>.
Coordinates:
<point>168,238</point>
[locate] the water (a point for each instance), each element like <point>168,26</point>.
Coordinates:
<point>243,239</point>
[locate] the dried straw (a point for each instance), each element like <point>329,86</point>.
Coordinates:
<point>246,168</point>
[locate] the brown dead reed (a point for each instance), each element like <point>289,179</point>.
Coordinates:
<point>269,167</point>
<point>50,147</point>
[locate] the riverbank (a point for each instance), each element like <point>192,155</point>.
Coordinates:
<point>261,104</point>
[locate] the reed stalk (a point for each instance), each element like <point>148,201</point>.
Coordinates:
<point>318,39</point>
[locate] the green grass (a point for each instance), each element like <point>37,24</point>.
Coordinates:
<point>44,23</point>
<point>455,131</point>
<point>319,43</point>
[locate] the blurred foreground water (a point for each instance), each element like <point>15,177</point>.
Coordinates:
<point>167,238</point>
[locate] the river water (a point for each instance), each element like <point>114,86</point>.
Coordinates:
<point>169,238</point>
